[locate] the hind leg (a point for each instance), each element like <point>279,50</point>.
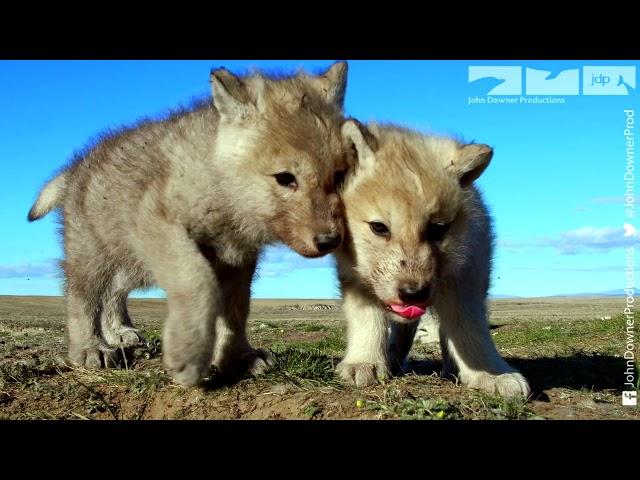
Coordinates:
<point>86,347</point>
<point>117,327</point>
<point>84,273</point>
<point>449,369</point>
<point>400,343</point>
<point>234,355</point>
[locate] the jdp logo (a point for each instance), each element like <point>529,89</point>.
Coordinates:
<point>608,80</point>
<point>507,80</point>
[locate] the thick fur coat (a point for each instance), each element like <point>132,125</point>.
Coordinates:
<point>187,203</point>
<point>418,236</point>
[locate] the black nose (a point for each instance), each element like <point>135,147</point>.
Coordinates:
<point>327,241</point>
<point>410,294</point>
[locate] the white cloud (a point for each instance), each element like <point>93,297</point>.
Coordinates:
<point>591,239</point>
<point>546,268</point>
<point>48,269</point>
<point>586,239</point>
<point>280,260</point>
<point>612,200</point>
<point>275,261</point>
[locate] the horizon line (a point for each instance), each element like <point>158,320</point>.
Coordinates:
<point>497,296</point>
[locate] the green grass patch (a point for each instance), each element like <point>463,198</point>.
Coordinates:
<point>312,327</point>
<point>144,382</point>
<point>397,402</point>
<point>400,404</point>
<point>311,410</point>
<point>557,335</point>
<point>490,407</point>
<point>302,367</point>
<point>417,409</point>
<point>333,344</point>
<point>27,370</point>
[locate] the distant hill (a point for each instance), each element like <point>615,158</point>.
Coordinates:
<point>618,292</point>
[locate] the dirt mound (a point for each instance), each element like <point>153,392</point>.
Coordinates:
<point>314,306</point>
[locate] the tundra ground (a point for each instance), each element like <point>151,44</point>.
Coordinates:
<point>570,349</point>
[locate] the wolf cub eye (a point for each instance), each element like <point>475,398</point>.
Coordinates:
<point>436,231</point>
<point>379,229</point>
<point>285,179</point>
<point>338,179</point>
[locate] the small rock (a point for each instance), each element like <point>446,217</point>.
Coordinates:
<point>281,389</point>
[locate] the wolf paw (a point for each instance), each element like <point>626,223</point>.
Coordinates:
<point>187,372</point>
<point>126,337</point>
<point>95,357</point>
<point>507,385</point>
<point>254,361</point>
<point>258,361</point>
<point>363,374</point>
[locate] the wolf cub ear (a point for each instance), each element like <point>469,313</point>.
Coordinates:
<point>230,94</point>
<point>363,143</point>
<point>472,160</point>
<point>332,84</point>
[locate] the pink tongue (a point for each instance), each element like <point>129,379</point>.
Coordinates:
<point>408,311</point>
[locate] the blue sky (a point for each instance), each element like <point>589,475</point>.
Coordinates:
<point>555,185</point>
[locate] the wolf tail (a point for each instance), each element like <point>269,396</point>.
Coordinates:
<point>50,197</point>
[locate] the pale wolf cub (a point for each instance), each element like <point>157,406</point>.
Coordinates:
<point>418,236</point>
<point>187,202</point>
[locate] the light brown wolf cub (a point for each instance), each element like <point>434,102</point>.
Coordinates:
<point>188,202</point>
<point>418,236</point>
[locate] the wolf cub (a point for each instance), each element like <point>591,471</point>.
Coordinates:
<point>418,236</point>
<point>187,202</point>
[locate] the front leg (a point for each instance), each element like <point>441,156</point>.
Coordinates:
<point>234,355</point>
<point>193,295</point>
<point>365,362</point>
<point>467,344</point>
